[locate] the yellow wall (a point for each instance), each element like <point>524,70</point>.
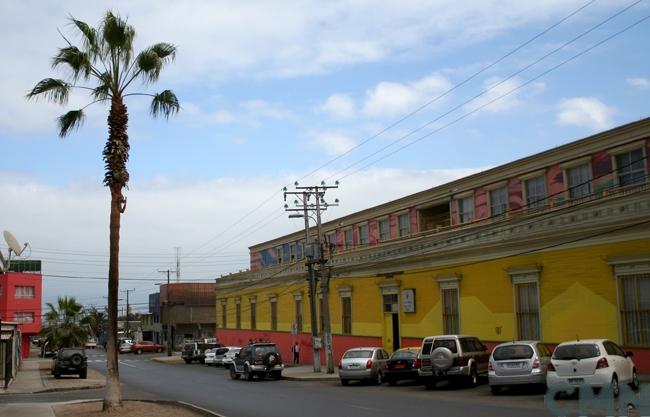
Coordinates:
<point>577,296</point>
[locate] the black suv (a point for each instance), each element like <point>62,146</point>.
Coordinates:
<point>259,359</point>
<point>70,361</point>
<point>195,351</point>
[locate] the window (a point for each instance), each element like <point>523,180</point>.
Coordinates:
<point>23,292</point>
<point>466,209</point>
<point>224,314</point>
<point>384,229</point>
<point>278,254</point>
<point>404,224</point>
<point>498,201</point>
<point>527,305</point>
<point>346,315</point>
<point>238,315</point>
<point>24,317</point>
<point>578,181</point>
<point>299,250</point>
<point>635,309</point>
<point>535,192</point>
<point>390,303</point>
<point>331,241</point>
<point>450,316</point>
<point>630,168</point>
<point>274,314</point>
<point>292,252</point>
<point>253,316</point>
<point>363,234</point>
<point>348,238</point>
<point>298,304</point>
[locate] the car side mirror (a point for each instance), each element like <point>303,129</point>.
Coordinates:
<point>236,355</point>
<point>629,354</point>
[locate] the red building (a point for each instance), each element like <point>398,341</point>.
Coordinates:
<point>20,301</point>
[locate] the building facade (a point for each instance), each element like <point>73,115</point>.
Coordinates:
<point>10,348</point>
<point>20,301</point>
<point>555,246</point>
<point>189,308</point>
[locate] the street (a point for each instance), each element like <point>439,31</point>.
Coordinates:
<point>212,388</point>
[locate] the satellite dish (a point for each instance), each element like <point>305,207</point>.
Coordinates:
<point>13,243</point>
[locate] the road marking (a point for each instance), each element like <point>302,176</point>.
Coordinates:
<point>127,364</point>
<point>364,408</point>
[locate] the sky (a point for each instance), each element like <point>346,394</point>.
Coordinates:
<point>390,98</point>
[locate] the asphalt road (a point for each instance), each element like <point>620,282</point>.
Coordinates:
<point>212,388</point>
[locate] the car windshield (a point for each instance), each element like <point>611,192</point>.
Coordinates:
<point>405,354</point>
<point>263,350</point>
<point>189,346</point>
<point>353,354</point>
<point>220,351</point>
<point>510,352</point>
<point>577,351</point>
<point>446,343</point>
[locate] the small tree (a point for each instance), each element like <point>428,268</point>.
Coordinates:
<point>63,327</point>
<point>107,59</point>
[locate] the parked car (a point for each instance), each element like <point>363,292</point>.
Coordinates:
<point>125,345</point>
<point>402,365</point>
<point>209,356</point>
<point>257,359</point>
<point>596,363</point>
<point>91,343</point>
<point>454,358</point>
<point>195,351</point>
<point>220,354</point>
<point>518,363</point>
<point>70,361</point>
<point>229,356</point>
<point>363,364</point>
<point>146,346</point>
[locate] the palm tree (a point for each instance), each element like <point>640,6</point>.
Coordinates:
<point>63,327</point>
<point>106,59</point>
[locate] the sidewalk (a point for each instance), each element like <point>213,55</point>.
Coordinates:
<point>290,372</point>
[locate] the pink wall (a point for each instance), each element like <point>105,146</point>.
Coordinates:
<point>555,185</point>
<point>373,232</point>
<point>480,203</point>
<point>515,197</point>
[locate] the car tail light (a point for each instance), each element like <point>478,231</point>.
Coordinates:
<point>490,367</point>
<point>536,363</point>
<point>258,362</point>
<point>418,363</point>
<point>340,365</point>
<point>602,363</point>
<point>369,364</point>
<point>550,367</point>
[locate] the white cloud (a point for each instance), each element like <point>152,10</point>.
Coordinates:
<point>333,143</point>
<point>641,83</point>
<point>494,88</point>
<point>391,99</point>
<point>262,109</point>
<point>585,112</point>
<point>339,105</point>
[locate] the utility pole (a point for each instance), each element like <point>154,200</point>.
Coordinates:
<point>314,255</point>
<point>126,327</point>
<point>178,264</point>
<point>170,345</point>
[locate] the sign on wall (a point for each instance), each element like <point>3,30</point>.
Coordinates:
<point>408,300</point>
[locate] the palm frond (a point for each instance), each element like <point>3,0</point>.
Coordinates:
<point>77,60</point>
<point>166,51</point>
<point>118,36</point>
<point>52,89</point>
<point>103,91</point>
<point>149,64</point>
<point>89,35</point>
<point>164,103</point>
<point>69,121</point>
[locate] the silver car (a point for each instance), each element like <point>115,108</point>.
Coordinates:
<point>518,363</point>
<point>363,364</point>
<point>229,356</point>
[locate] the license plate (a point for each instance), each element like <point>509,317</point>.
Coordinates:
<point>513,365</point>
<point>354,365</point>
<point>72,369</point>
<point>400,366</point>
<point>576,381</point>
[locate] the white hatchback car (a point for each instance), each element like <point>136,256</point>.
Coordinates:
<point>597,363</point>
<point>209,356</point>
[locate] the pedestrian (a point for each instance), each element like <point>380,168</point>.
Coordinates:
<point>296,353</point>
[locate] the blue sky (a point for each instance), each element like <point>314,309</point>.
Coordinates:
<point>270,91</point>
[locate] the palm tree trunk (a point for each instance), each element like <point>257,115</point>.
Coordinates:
<point>116,153</point>
<point>113,394</point>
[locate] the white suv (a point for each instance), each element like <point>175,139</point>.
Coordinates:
<point>596,363</point>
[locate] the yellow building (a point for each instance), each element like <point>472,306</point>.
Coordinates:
<point>551,247</point>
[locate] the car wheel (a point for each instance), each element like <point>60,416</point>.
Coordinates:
<point>57,375</point>
<point>635,380</point>
<point>188,361</point>
<point>430,384</point>
<point>616,390</point>
<point>233,373</point>
<point>472,380</point>
<point>380,378</point>
<point>139,351</point>
<point>83,374</point>
<point>345,382</point>
<point>248,375</point>
<point>76,360</point>
<point>277,375</point>
<point>496,389</point>
<point>158,350</point>
<point>391,381</point>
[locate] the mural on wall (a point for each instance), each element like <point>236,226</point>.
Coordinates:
<point>515,197</point>
<point>601,165</point>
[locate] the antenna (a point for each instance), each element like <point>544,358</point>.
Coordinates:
<point>14,247</point>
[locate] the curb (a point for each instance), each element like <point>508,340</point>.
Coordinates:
<point>182,404</point>
<point>302,378</point>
